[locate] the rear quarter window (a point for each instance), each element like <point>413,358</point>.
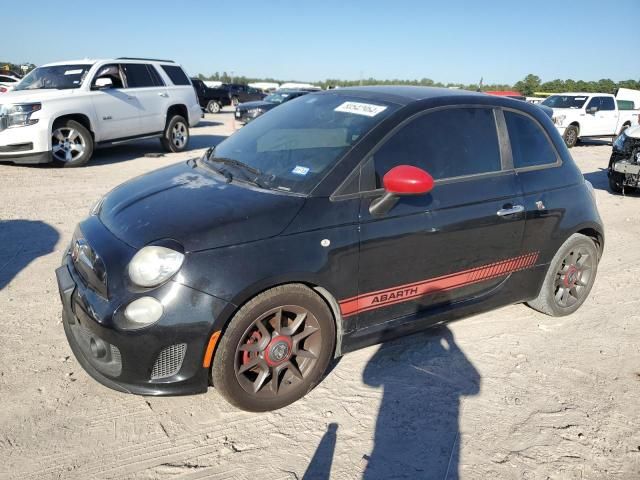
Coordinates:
<point>176,75</point>
<point>530,146</point>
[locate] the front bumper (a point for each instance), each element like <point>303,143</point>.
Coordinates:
<point>30,144</point>
<point>165,358</point>
<point>26,158</point>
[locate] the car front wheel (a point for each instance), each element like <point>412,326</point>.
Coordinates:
<point>570,277</point>
<point>275,349</point>
<point>71,144</point>
<point>571,136</point>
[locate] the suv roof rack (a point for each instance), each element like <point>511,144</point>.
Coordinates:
<point>147,59</point>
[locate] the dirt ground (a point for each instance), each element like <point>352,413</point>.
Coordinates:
<point>511,394</point>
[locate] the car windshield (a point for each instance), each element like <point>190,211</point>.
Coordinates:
<point>296,144</point>
<point>565,101</point>
<point>277,97</point>
<point>59,77</point>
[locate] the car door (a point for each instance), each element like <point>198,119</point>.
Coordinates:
<point>601,122</point>
<point>116,108</point>
<point>462,240</point>
<point>150,96</point>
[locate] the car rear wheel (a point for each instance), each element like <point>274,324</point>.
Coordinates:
<point>571,136</point>
<point>213,106</point>
<point>176,134</point>
<point>569,278</point>
<point>275,349</point>
<point>71,144</point>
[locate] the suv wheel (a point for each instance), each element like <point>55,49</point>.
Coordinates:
<point>213,106</point>
<point>570,277</point>
<point>71,144</point>
<point>176,134</point>
<point>571,136</point>
<point>275,349</point>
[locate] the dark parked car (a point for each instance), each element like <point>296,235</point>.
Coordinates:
<point>624,164</point>
<point>239,93</point>
<point>341,219</point>
<point>245,112</point>
<point>210,99</point>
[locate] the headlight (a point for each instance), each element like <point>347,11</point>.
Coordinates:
<point>153,265</point>
<point>140,313</point>
<point>18,114</point>
<point>559,120</point>
<point>95,208</point>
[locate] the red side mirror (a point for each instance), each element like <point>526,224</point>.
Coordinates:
<point>407,180</point>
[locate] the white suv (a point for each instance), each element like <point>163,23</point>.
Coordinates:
<point>61,111</point>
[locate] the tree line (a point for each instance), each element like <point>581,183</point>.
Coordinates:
<point>527,86</point>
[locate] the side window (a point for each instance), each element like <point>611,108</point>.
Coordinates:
<point>110,71</point>
<point>447,143</point>
<point>607,103</point>
<point>155,76</point>
<point>529,145</point>
<point>138,75</point>
<point>176,74</point>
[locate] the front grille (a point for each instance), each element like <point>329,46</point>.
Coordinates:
<point>169,361</point>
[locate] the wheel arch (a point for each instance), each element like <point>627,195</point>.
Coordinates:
<point>594,234</point>
<point>177,109</point>
<point>81,118</point>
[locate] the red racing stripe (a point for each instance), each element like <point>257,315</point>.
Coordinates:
<point>404,293</point>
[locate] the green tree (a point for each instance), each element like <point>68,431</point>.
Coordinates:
<point>529,85</point>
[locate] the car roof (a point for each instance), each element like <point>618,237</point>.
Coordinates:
<point>583,94</point>
<point>93,61</point>
<point>403,94</point>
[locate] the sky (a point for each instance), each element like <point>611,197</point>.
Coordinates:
<point>447,41</point>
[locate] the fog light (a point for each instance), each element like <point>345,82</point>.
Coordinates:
<point>142,312</point>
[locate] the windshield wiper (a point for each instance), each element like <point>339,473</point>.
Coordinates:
<point>242,167</point>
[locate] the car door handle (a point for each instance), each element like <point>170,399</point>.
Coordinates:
<point>505,212</point>
<point>163,94</point>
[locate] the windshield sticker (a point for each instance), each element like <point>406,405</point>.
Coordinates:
<point>366,109</point>
<point>300,170</point>
<point>581,98</point>
<point>73,72</point>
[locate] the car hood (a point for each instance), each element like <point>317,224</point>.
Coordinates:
<point>21,96</point>
<point>194,206</point>
<point>256,104</point>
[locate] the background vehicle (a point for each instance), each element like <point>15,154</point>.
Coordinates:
<point>624,164</point>
<point>579,115</point>
<point>507,93</point>
<point>239,93</point>
<point>8,80</point>
<point>61,111</point>
<point>358,215</point>
<point>245,112</point>
<point>211,100</point>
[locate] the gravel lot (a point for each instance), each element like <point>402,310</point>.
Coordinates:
<point>511,394</point>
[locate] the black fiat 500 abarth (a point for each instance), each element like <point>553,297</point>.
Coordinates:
<point>336,221</point>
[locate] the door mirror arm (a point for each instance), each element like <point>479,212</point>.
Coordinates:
<point>403,180</point>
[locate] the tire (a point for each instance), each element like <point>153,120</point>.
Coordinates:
<point>261,369</point>
<point>571,136</point>
<point>234,101</point>
<point>71,144</point>
<point>176,134</point>
<point>214,106</point>
<point>576,259</point>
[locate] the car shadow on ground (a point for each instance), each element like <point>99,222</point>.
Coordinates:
<point>594,142</point>
<point>148,148</point>
<point>600,181</point>
<point>22,242</point>
<point>424,378</point>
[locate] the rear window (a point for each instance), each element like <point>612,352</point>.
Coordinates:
<point>529,144</point>
<point>625,105</point>
<point>176,74</point>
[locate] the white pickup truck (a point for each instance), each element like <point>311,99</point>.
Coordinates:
<point>61,112</point>
<point>579,115</point>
